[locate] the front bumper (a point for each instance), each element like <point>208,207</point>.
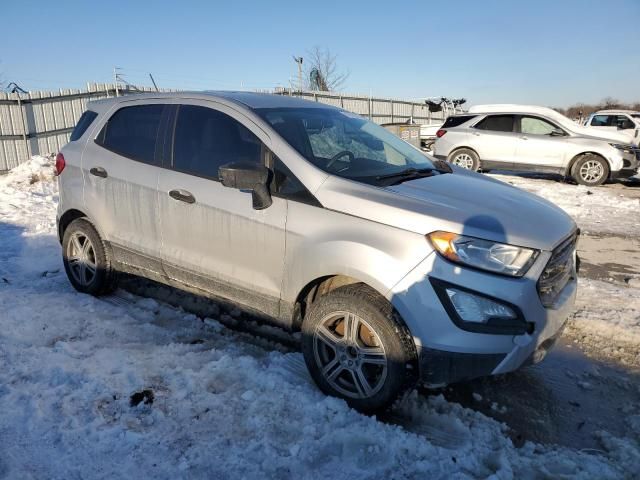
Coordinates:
<point>630,165</point>
<point>450,354</point>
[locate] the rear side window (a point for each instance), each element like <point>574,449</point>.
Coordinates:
<point>497,123</point>
<point>457,120</point>
<point>86,119</point>
<point>132,132</point>
<point>205,139</point>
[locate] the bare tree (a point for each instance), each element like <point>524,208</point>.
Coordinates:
<point>322,70</point>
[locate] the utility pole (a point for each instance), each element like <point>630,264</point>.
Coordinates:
<point>154,82</point>
<point>298,60</point>
<point>116,79</point>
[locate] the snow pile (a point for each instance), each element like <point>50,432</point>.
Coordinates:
<point>608,316</point>
<point>595,209</point>
<point>94,388</point>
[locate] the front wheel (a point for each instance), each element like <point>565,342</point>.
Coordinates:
<point>465,158</point>
<point>590,170</point>
<point>357,348</point>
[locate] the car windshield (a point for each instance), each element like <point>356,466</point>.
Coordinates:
<point>345,144</point>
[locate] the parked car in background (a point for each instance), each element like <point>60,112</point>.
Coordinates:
<point>536,139</point>
<point>395,267</point>
<point>620,121</point>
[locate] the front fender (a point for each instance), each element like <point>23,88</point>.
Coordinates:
<point>322,242</point>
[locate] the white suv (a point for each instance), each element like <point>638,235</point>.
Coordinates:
<point>626,122</point>
<point>533,139</point>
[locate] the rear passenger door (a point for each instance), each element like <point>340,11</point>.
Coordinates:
<point>212,238</point>
<point>120,168</point>
<point>495,140</point>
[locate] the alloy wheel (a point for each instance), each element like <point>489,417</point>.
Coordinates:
<point>350,355</point>
<point>591,171</point>
<point>81,257</point>
<point>463,160</point>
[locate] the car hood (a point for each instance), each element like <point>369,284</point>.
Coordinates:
<point>461,202</point>
<point>592,133</point>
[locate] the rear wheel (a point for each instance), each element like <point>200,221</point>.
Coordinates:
<point>86,259</point>
<point>357,348</point>
<point>465,158</point>
<point>590,170</point>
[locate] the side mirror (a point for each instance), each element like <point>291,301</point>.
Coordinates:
<point>248,176</point>
<point>556,132</point>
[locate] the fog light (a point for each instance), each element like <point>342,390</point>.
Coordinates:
<point>473,308</point>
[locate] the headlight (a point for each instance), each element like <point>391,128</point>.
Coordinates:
<point>484,254</point>
<point>623,147</point>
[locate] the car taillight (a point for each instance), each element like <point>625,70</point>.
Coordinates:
<point>440,133</point>
<point>60,163</point>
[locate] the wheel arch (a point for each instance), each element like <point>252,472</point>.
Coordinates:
<point>464,148</point>
<point>321,286</point>
<point>66,219</point>
<point>572,162</point>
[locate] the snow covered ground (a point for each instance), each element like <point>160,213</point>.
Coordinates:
<point>127,386</point>
<point>606,209</point>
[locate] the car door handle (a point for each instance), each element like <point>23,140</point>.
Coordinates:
<point>524,138</point>
<point>476,134</point>
<point>182,196</point>
<point>98,172</point>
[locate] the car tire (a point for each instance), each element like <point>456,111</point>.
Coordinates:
<point>357,348</point>
<point>590,170</point>
<point>465,158</point>
<point>86,259</point>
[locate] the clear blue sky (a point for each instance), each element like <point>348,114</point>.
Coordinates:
<point>545,52</point>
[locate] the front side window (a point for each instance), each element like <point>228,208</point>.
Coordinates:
<point>206,139</point>
<point>133,131</point>
<point>536,126</point>
<point>497,123</point>
<point>285,184</point>
<point>601,121</point>
<point>343,143</point>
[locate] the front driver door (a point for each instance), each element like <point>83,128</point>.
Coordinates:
<point>212,238</point>
<point>542,145</point>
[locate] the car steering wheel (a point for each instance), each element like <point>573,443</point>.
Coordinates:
<point>340,155</point>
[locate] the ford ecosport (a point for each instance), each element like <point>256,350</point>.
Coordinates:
<point>396,267</point>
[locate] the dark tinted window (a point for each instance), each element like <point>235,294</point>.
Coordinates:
<point>205,139</point>
<point>85,120</point>
<point>601,120</point>
<point>133,131</point>
<point>457,120</point>
<point>284,184</point>
<point>497,123</point>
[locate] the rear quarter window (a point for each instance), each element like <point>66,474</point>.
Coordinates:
<point>133,132</point>
<point>457,120</point>
<point>86,119</point>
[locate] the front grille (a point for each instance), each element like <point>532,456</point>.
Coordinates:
<point>559,270</point>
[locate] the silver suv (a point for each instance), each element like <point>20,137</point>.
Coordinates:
<point>395,267</point>
<point>534,139</point>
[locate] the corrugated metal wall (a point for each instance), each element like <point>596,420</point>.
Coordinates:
<point>39,123</point>
<point>379,110</point>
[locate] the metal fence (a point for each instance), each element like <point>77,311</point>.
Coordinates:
<point>377,109</point>
<point>39,123</point>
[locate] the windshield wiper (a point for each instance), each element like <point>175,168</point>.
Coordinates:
<point>408,174</point>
